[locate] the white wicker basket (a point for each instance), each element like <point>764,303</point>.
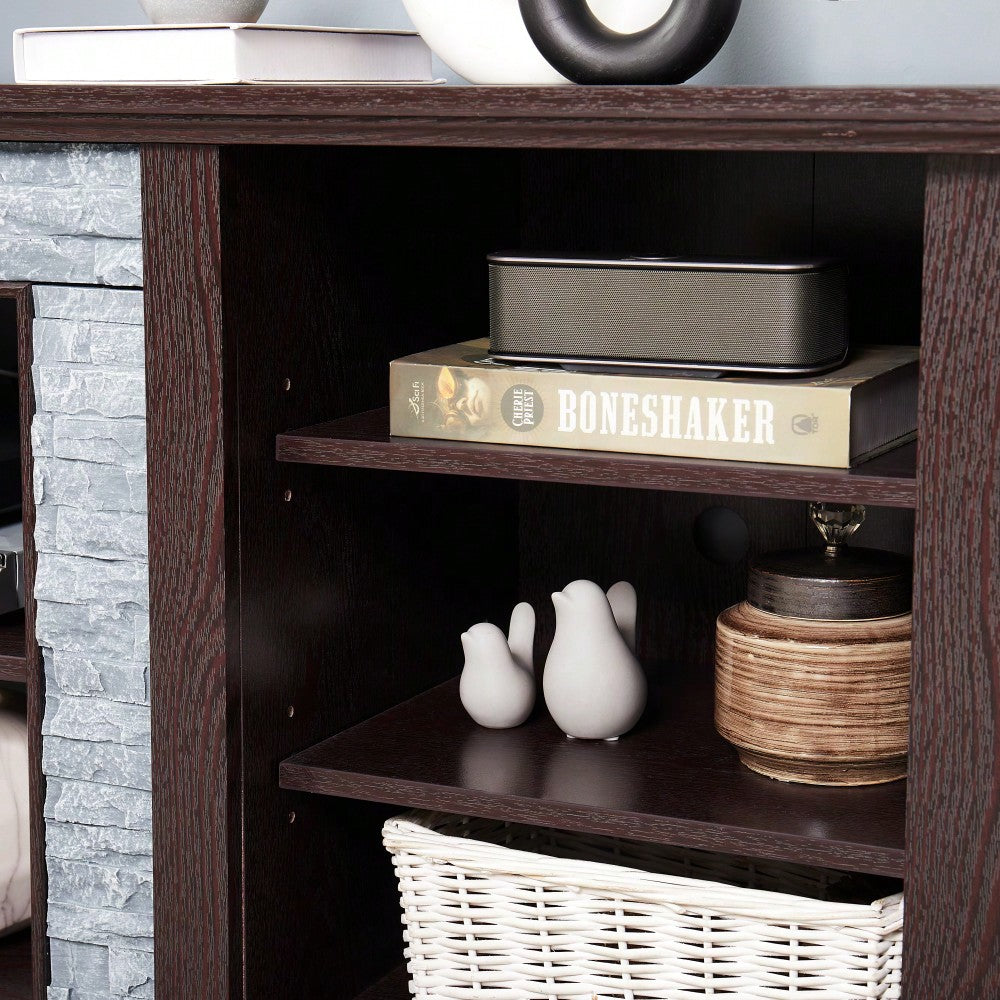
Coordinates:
<point>494,910</point>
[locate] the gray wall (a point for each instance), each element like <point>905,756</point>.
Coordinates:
<point>775,41</point>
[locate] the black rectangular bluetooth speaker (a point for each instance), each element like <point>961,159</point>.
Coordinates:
<point>782,317</point>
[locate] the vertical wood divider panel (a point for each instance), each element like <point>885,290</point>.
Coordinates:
<point>35,668</point>
<point>952,946</point>
<point>34,664</point>
<point>193,563</point>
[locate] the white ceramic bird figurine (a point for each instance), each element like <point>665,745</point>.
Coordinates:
<point>594,687</point>
<point>497,687</point>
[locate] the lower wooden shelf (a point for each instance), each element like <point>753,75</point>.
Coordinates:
<point>15,966</point>
<point>395,986</point>
<point>13,662</point>
<point>674,781</point>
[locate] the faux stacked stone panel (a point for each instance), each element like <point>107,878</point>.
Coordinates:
<point>70,221</point>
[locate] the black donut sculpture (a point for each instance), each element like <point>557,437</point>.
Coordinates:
<point>585,50</point>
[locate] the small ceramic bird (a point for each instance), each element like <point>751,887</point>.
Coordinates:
<point>624,606</point>
<point>594,687</point>
<point>497,687</point>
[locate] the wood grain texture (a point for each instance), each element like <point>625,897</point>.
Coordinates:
<point>362,440</point>
<point>13,665</point>
<point>821,702</point>
<point>193,583</point>
<point>394,986</point>
<point>952,944</point>
<point>32,667</point>
<point>16,967</point>
<point>673,780</point>
<point>835,119</point>
<point>916,104</point>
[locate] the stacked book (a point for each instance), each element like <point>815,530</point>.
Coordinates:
<point>219,53</point>
<point>837,419</point>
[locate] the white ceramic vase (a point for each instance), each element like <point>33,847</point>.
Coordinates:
<point>485,41</point>
<point>15,872</point>
<point>595,688</point>
<point>497,687</point>
<point>203,11</point>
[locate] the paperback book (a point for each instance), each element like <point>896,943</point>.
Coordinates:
<point>837,419</point>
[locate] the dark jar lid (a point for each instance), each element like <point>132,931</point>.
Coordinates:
<point>835,582</point>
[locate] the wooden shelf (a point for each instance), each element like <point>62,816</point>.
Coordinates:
<point>362,440</point>
<point>674,780</point>
<point>13,663</point>
<point>883,119</point>
<point>15,966</point>
<point>394,986</point>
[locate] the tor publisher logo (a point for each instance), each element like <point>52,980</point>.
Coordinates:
<point>805,423</point>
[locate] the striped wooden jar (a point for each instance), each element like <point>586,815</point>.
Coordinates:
<point>819,702</point>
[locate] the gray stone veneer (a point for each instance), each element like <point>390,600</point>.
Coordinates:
<point>70,222</point>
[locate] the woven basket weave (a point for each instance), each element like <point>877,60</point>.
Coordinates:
<point>494,910</point>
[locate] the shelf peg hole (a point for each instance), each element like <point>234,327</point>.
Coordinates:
<point>288,496</point>
<point>291,711</point>
<point>291,816</point>
<point>287,385</point>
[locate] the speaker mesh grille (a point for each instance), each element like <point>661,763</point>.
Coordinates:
<point>767,318</point>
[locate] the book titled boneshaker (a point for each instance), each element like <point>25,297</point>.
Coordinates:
<point>838,419</point>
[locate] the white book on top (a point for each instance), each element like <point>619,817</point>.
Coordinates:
<point>219,53</point>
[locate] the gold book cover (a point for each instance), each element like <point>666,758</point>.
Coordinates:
<point>836,419</point>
